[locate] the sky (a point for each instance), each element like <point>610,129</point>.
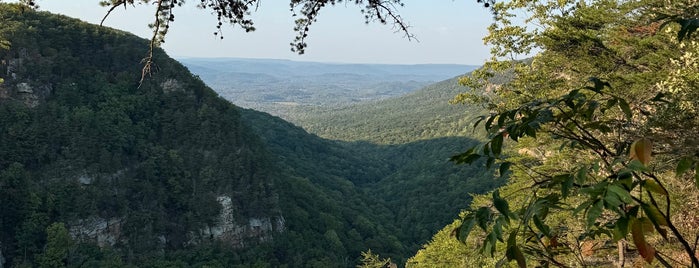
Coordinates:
<point>448,31</point>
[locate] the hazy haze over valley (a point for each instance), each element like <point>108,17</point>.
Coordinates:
<point>286,88</point>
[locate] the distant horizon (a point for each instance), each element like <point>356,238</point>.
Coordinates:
<point>315,61</point>
<point>449,32</point>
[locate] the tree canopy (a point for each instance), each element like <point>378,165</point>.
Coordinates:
<point>597,128</point>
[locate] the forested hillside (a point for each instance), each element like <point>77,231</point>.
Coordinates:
<point>423,114</point>
<point>396,150</point>
<point>85,151</point>
<point>99,170</point>
<point>412,185</point>
<point>597,133</point>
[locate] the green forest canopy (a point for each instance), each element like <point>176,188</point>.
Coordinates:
<point>85,145</point>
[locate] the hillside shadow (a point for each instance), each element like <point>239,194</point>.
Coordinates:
<point>415,183</point>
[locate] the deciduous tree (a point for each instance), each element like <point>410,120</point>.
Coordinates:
<point>595,119</point>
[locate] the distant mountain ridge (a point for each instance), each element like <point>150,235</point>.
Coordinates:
<point>278,86</point>
<point>286,68</point>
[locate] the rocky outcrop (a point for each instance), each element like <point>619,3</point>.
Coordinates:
<point>25,92</point>
<point>16,87</point>
<point>103,232</point>
<point>235,233</point>
<point>171,85</point>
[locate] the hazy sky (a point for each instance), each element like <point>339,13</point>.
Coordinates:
<point>448,32</point>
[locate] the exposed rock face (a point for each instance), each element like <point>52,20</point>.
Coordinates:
<point>17,88</point>
<point>235,234</point>
<point>104,232</point>
<point>171,85</point>
<point>32,96</point>
<point>25,92</point>
<point>107,232</point>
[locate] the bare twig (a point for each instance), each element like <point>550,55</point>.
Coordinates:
<point>114,6</point>
<point>398,22</point>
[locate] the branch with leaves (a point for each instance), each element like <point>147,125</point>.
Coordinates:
<point>616,193</point>
<point>237,13</point>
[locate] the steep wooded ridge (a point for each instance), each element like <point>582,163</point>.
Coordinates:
<point>97,171</point>
<point>169,165</point>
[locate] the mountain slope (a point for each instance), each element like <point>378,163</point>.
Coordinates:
<point>414,134</point>
<point>96,170</point>
<point>395,150</point>
<point>154,164</point>
<point>423,114</point>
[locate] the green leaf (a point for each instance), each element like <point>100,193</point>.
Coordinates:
<point>660,98</point>
<point>591,108</point>
<point>489,162</point>
<point>594,211</point>
<point>513,252</point>
<point>465,158</point>
<point>622,193</point>
<point>501,119</point>
<point>696,176</point>
<point>489,244</point>
<point>632,211</point>
<point>581,176</point>
<point>654,215</point>
<point>636,165</point>
<point>612,201</point>
<point>653,186</point>
<point>530,131</point>
<point>621,228</point>
<point>501,205</point>
<point>497,230</point>
<point>598,85</point>
<point>582,207</point>
<point>504,168</point>
<point>625,178</point>
<point>688,26</point>
<point>480,119</point>
<point>541,226</point>
<point>496,144</point>
<point>486,149</point>
<point>483,217</point>
<point>566,185</point>
<point>684,165</point>
<point>625,108</point>
<point>489,122</point>
<point>463,231</point>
